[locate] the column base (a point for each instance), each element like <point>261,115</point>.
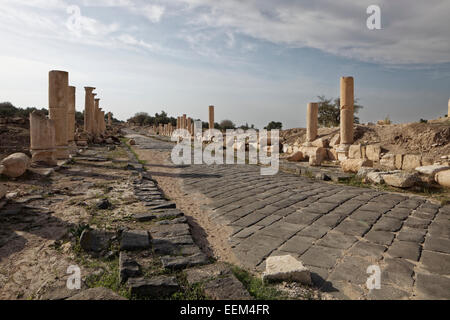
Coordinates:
<point>62,153</point>
<point>342,151</point>
<point>44,157</point>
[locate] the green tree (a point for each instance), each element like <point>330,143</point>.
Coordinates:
<point>227,124</point>
<point>330,111</point>
<point>274,125</point>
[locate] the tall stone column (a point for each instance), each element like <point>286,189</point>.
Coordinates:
<point>58,84</point>
<point>347,108</point>
<point>189,125</point>
<point>184,122</point>
<point>312,113</point>
<point>42,139</point>
<point>98,116</point>
<point>88,109</point>
<point>211,117</point>
<point>448,113</point>
<point>71,114</point>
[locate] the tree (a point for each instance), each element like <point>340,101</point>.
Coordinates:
<point>330,111</point>
<point>274,125</point>
<point>227,124</point>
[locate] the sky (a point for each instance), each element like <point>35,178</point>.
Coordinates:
<point>256,61</point>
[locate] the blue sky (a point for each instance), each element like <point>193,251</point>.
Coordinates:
<point>255,60</point>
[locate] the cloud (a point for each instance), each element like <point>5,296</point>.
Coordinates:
<point>411,34</point>
<point>153,13</point>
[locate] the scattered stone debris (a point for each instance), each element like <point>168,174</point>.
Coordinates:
<point>286,268</point>
<point>14,165</point>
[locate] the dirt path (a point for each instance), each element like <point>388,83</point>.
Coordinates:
<point>211,238</point>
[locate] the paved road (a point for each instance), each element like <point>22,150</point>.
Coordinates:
<point>337,231</point>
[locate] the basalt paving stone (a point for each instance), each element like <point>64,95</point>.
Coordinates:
<point>297,244</point>
<point>371,251</point>
<point>183,262</point>
<point>303,218</point>
<point>253,250</point>
<point>135,240</point>
<point>321,208</point>
<point>314,231</point>
<point>417,223</point>
<point>169,231</point>
<point>337,240</point>
<point>269,220</point>
<point>249,220</point>
<point>318,275</point>
<point>440,230</point>
<point>281,229</point>
<point>399,213</point>
<point>433,287</point>
<point>437,244</point>
<point>398,272</point>
<point>365,216</point>
<point>405,250</point>
<point>380,237</point>
<point>376,207</point>
<point>387,292</point>
<point>435,262</point>
<point>411,235</point>
<point>353,227</point>
<point>322,257</point>
<point>330,220</point>
<point>387,224</point>
<point>410,203</point>
<point>423,215</point>
<point>352,270</point>
<point>247,232</point>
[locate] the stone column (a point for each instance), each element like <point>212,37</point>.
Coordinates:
<point>71,114</point>
<point>42,139</point>
<point>189,125</point>
<point>178,123</point>
<point>88,109</point>
<point>184,122</point>
<point>311,122</point>
<point>448,113</point>
<point>58,84</point>
<point>97,117</point>
<point>347,108</point>
<point>211,117</point>
<point>102,121</point>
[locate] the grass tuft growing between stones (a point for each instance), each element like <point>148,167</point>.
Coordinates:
<point>257,288</point>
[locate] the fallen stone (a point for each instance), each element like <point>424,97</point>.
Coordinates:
<point>177,263</point>
<point>103,204</point>
<point>353,165</point>
<point>364,171</point>
<point>144,217</point>
<point>15,165</point>
<point>161,205</point>
<point>286,268</point>
<point>296,157</point>
<point>320,143</point>
<point>128,268</point>
<point>373,152</point>
<point>388,161</point>
<point>401,179</point>
<point>135,240</point>
<point>335,140</point>
<point>357,151</point>
<point>94,240</point>
<point>443,178</point>
<point>97,294</point>
<point>157,287</point>
<point>431,170</point>
<point>411,161</point>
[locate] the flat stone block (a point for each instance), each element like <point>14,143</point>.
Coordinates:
<point>286,268</point>
<point>405,250</point>
<point>135,240</point>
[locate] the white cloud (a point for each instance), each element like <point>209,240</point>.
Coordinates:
<point>153,13</point>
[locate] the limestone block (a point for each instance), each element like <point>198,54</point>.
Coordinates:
<point>373,152</point>
<point>320,153</point>
<point>315,161</point>
<point>286,268</point>
<point>398,162</point>
<point>443,178</point>
<point>354,165</point>
<point>298,156</point>
<point>336,140</point>
<point>431,170</point>
<point>357,151</point>
<point>411,161</point>
<point>401,179</point>
<point>332,154</point>
<point>427,161</point>
<point>376,177</point>
<point>388,161</point>
<point>15,165</point>
<point>320,143</point>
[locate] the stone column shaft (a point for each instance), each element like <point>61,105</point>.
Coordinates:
<point>347,110</point>
<point>71,114</point>
<point>88,109</point>
<point>42,139</point>
<point>312,121</point>
<point>211,117</point>
<point>58,84</point>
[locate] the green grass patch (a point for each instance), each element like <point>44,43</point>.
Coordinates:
<point>257,288</point>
